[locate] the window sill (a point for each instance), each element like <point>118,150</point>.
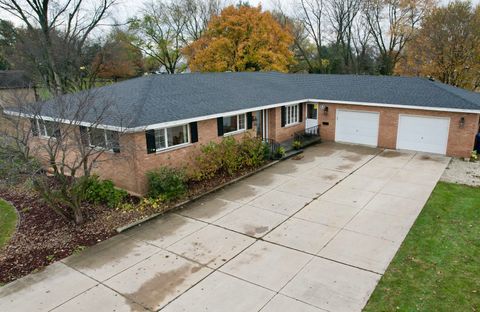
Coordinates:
<point>234,132</point>
<point>292,124</point>
<point>169,149</point>
<point>102,149</point>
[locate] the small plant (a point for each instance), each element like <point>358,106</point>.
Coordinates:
<point>297,145</point>
<point>474,156</point>
<point>103,191</point>
<point>280,152</point>
<point>166,183</point>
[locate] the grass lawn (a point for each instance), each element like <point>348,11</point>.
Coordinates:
<point>8,221</point>
<point>438,266</point>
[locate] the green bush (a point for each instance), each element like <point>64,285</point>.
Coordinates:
<point>103,191</point>
<point>166,183</point>
<point>280,152</point>
<point>229,157</point>
<point>297,145</point>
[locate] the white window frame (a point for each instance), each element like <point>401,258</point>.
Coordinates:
<point>166,138</point>
<point>105,138</point>
<point>239,130</point>
<point>292,114</point>
<point>42,129</point>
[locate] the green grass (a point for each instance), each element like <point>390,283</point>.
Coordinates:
<point>438,266</point>
<point>8,221</point>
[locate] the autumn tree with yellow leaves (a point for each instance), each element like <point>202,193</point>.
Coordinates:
<point>447,47</point>
<point>242,38</point>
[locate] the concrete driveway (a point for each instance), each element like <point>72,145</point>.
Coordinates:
<point>309,234</point>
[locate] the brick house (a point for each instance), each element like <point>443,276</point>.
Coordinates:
<point>166,118</point>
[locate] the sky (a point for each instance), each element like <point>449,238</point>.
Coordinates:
<point>126,9</point>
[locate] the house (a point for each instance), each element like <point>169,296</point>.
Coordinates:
<point>15,83</point>
<point>15,86</point>
<point>166,118</point>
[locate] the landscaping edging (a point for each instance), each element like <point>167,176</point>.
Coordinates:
<point>180,205</point>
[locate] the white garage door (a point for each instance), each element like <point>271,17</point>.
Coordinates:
<point>425,134</point>
<point>357,127</point>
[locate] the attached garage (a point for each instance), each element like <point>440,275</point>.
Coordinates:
<point>359,127</point>
<point>423,133</point>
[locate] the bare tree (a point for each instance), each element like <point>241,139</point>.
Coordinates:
<point>160,33</point>
<point>342,14</point>
<point>69,21</point>
<point>392,24</point>
<point>311,15</point>
<point>197,15</point>
<point>70,137</point>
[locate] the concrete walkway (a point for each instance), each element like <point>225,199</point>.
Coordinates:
<point>309,234</point>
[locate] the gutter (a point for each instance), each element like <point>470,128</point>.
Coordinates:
<point>237,112</point>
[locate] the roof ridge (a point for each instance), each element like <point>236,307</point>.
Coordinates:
<point>439,85</point>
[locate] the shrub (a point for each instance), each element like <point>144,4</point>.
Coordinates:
<point>297,144</point>
<point>103,191</point>
<point>280,152</point>
<point>166,183</point>
<point>229,157</point>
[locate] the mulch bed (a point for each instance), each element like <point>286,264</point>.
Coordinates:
<point>43,237</point>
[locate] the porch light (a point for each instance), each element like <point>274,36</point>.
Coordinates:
<point>462,122</point>
<point>325,110</point>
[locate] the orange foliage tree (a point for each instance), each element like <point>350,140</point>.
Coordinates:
<point>242,38</point>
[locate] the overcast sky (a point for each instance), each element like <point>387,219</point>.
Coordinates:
<point>129,8</point>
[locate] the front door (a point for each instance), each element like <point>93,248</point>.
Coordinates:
<point>311,122</point>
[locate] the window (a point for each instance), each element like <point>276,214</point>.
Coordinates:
<point>234,123</point>
<point>44,128</point>
<point>291,114</point>
<point>170,137</point>
<point>104,139</point>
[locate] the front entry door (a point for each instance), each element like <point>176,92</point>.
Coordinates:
<point>312,118</point>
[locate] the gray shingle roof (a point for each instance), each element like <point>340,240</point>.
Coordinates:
<point>164,98</point>
<point>13,79</point>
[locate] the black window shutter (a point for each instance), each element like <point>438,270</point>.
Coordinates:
<point>300,112</point>
<point>150,136</point>
<point>284,115</point>
<point>83,135</point>
<point>193,132</point>
<point>220,126</point>
<point>115,142</point>
<point>249,120</point>
<point>33,123</point>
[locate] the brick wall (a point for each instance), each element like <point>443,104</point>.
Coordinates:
<point>279,133</point>
<point>460,140</point>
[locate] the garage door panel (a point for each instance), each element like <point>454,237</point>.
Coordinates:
<point>425,134</point>
<point>357,127</point>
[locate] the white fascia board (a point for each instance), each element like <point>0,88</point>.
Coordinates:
<point>66,121</point>
<point>243,111</point>
<point>439,109</point>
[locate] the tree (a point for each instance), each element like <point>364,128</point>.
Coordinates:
<point>242,39</point>
<point>447,47</point>
<point>118,58</point>
<point>392,24</point>
<point>159,34</point>
<point>58,31</point>
<point>7,42</point>
<point>68,148</point>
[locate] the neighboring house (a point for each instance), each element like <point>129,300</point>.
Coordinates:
<point>15,85</point>
<point>168,117</point>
